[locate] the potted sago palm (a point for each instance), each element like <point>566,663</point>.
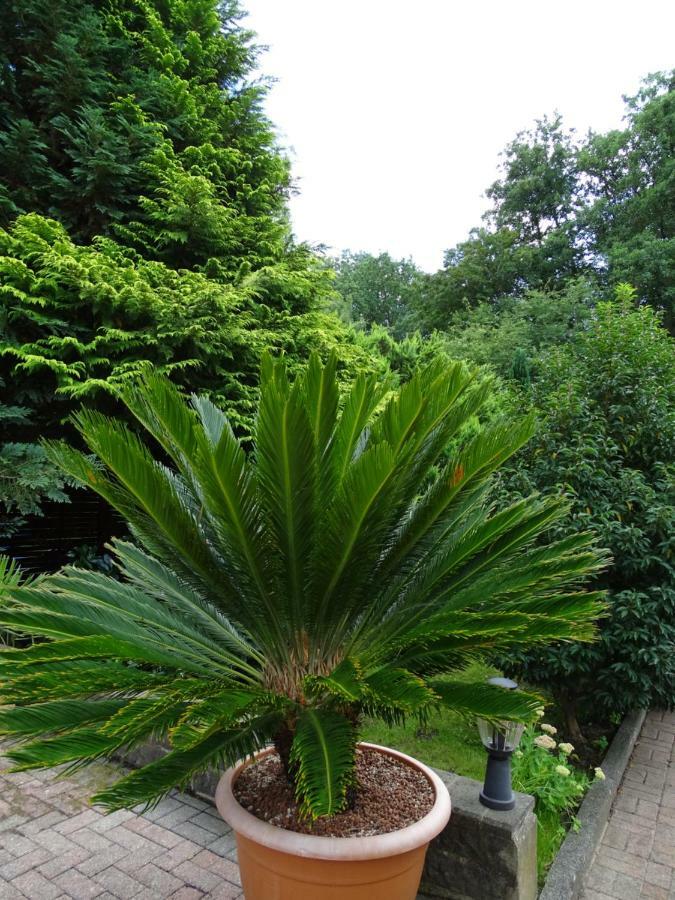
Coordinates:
<point>272,597</point>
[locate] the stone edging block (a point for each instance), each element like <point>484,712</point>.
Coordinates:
<point>566,875</point>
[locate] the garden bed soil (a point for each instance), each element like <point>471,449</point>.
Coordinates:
<point>388,795</point>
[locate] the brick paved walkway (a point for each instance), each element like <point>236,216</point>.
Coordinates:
<point>636,858</point>
<point>54,846</point>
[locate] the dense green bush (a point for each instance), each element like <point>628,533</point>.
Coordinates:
<point>511,334</point>
<point>607,432</point>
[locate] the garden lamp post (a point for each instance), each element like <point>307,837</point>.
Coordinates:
<point>500,739</point>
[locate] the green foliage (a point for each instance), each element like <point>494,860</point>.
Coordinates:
<point>141,121</point>
<point>517,331</point>
<point>562,209</point>
<point>606,439</point>
<point>78,322</point>
<point>557,786</point>
<point>283,594</point>
<point>629,177</point>
<point>27,479</point>
<point>378,290</point>
<point>548,774</point>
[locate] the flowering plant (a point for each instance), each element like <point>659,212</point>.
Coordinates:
<point>547,775</point>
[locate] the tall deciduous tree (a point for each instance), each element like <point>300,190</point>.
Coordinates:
<point>630,176</point>
<point>378,289</point>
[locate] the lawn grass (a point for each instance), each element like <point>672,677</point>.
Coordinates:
<point>449,741</point>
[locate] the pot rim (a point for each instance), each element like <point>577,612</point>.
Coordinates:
<point>335,848</point>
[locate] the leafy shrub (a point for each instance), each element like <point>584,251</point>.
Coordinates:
<point>606,438</point>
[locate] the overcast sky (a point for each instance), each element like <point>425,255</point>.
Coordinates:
<point>395,112</point>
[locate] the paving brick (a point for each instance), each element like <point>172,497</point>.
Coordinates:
<point>158,879</point>
<point>647,809</point>
<point>187,893</point>
<point>176,816</point>
<point>225,891</point>
<point>661,875</point>
<point>224,845</point>
<point>118,883</point>
<point>174,856</point>
<point>195,876</point>
<point>42,822</point>
<point>63,862</point>
<point>138,858</point>
<point>17,844</point>
<point>201,805</point>
<point>152,832</point>
<point>9,892</point>
<point>90,840</point>
<point>148,894</point>
<point>640,844</point>
<point>625,887</point>
<point>666,816</point>
<point>24,863</point>
<point>616,836</point>
<point>132,840</point>
<point>11,822</point>
<point>36,886</point>
<point>86,817</point>
<point>211,823</point>
<point>653,892</point>
<point>99,861</point>
<point>223,867</point>
<point>112,820</point>
<point>194,833</point>
<point>636,858</point>
<point>78,886</point>
<point>620,861</point>
<point>163,808</point>
<point>57,843</point>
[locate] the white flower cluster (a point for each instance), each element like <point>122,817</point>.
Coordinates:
<point>549,729</point>
<point>545,742</point>
<point>599,774</point>
<point>562,770</point>
<point>566,748</point>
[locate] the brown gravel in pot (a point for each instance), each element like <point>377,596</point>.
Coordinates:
<point>389,795</point>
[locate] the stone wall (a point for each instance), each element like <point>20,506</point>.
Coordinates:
<point>481,852</point>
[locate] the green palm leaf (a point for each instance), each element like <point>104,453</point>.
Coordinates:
<point>282,591</point>
<point>148,785</point>
<point>323,758</point>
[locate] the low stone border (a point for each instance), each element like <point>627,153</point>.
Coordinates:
<point>566,876</point>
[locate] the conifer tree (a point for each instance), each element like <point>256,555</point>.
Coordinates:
<point>139,120</point>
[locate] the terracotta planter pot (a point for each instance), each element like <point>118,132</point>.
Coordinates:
<point>277,864</point>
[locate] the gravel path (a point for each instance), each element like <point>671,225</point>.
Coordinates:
<point>636,858</point>
<point>54,845</point>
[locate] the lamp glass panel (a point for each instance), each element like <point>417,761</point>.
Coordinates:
<point>500,735</point>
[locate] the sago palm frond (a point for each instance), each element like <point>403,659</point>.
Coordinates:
<point>281,593</point>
